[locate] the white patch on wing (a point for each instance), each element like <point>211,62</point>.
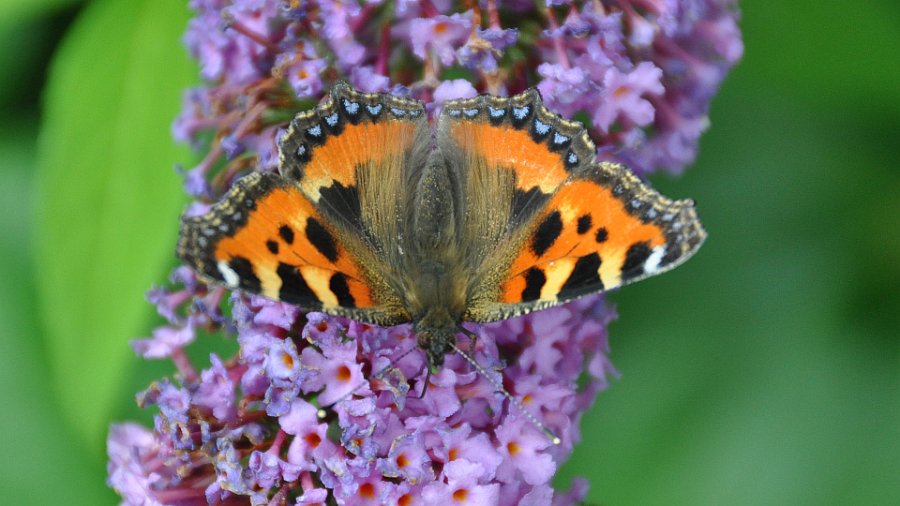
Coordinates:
<point>651,265</point>
<point>231,278</point>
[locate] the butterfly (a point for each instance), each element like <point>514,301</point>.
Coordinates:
<point>499,210</point>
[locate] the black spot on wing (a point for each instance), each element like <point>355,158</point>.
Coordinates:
<point>244,269</point>
<point>547,233</point>
<point>321,239</point>
<point>293,287</point>
<point>602,235</point>
<point>634,260</point>
<point>341,290</point>
<point>534,282</point>
<point>341,203</point>
<point>273,246</point>
<point>584,275</point>
<point>286,233</point>
<point>584,224</point>
<point>526,203</point>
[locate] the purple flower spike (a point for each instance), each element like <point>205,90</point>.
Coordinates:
<point>320,409</point>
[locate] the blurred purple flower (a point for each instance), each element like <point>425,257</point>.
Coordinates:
<point>623,96</point>
<point>439,34</point>
<point>248,429</point>
<point>484,48</point>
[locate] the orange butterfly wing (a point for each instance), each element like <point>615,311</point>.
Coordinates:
<point>574,226</point>
<point>300,237</point>
<point>589,240</point>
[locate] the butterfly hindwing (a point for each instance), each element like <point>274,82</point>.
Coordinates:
<point>573,226</point>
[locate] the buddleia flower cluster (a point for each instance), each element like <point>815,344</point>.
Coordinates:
<point>317,409</point>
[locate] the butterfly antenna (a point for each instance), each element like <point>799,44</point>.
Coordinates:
<point>322,413</point>
<point>499,387</point>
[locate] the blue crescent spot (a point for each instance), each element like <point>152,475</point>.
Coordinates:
<point>301,150</point>
<point>398,112</point>
<point>351,107</point>
<point>454,113</point>
<point>541,127</point>
<point>496,113</point>
<point>471,113</point>
<point>520,112</point>
<point>374,110</point>
<point>315,131</point>
<point>573,159</point>
<point>415,113</point>
<point>332,119</point>
<point>559,138</point>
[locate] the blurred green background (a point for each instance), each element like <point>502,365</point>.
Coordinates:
<point>764,371</point>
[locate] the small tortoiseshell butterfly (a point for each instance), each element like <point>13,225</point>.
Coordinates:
<point>500,211</point>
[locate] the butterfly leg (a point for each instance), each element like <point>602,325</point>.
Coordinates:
<point>425,385</point>
<point>473,338</point>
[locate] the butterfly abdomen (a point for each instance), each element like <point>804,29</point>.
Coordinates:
<point>434,222</point>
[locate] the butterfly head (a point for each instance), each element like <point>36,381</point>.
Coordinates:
<point>436,332</point>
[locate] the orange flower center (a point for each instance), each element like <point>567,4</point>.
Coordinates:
<point>343,373</point>
<point>453,454</point>
<point>440,27</point>
<point>367,491</point>
<point>460,495</point>
<point>402,461</point>
<point>312,439</point>
<point>513,448</point>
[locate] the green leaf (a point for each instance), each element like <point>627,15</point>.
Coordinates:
<point>20,9</point>
<point>108,198</point>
